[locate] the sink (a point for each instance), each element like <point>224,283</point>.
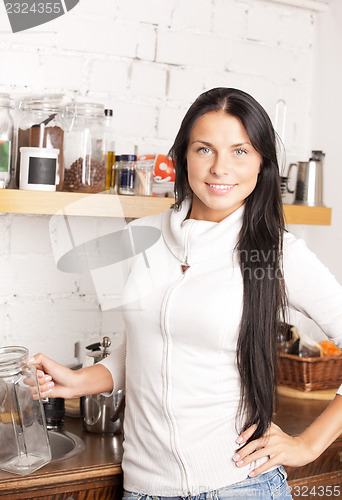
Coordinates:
<point>64,444</point>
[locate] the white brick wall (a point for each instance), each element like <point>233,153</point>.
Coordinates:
<point>197,17</point>
<point>148,81</point>
<point>155,12</point>
<point>147,42</point>
<point>191,49</point>
<point>72,76</point>
<point>231,19</point>
<point>148,61</point>
<point>108,78</point>
<point>185,86</point>
<point>19,67</point>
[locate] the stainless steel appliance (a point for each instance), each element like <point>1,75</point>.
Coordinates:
<point>309,190</point>
<point>102,414</point>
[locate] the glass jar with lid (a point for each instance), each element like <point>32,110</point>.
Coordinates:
<point>6,139</point>
<point>127,174</point>
<point>144,171</point>
<point>24,442</point>
<point>42,125</point>
<point>85,155</point>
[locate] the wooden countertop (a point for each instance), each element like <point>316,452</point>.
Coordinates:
<point>102,457</point>
<point>294,414</point>
<point>293,417</point>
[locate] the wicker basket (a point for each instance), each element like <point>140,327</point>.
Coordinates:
<point>309,374</point>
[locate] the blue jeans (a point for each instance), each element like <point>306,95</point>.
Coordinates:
<point>266,486</point>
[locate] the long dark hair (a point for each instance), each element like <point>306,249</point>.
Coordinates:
<point>259,249</point>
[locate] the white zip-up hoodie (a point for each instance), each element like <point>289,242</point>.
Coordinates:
<point>179,367</point>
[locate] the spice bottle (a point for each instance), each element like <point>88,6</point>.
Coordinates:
<point>42,126</point>
<point>144,177</point>
<point>6,140</point>
<point>85,162</point>
<point>114,185</point>
<point>109,172</point>
<point>127,174</point>
<point>109,146</point>
<point>23,432</point>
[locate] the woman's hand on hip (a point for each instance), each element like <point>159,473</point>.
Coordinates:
<point>277,446</point>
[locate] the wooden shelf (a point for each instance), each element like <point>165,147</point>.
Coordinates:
<point>18,201</point>
<point>301,214</point>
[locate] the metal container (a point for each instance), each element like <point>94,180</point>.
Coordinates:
<point>309,190</point>
<point>288,184</point>
<point>54,409</point>
<point>102,414</point>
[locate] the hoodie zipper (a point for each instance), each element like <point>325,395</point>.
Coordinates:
<point>187,244</point>
<point>167,380</point>
<point>168,412</point>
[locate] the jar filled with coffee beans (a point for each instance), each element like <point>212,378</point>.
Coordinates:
<point>42,125</point>
<point>85,155</point>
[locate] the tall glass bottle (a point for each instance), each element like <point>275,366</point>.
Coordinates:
<point>109,146</point>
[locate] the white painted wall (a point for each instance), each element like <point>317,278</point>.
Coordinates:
<point>326,131</point>
<point>149,61</point>
<point>326,241</point>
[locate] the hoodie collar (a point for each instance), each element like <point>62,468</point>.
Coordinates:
<point>193,241</point>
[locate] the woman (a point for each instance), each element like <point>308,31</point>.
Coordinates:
<point>201,321</point>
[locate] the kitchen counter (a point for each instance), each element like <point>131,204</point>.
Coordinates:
<point>96,473</point>
<point>323,477</point>
<point>93,473</point>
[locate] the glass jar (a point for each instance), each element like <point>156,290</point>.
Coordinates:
<point>6,139</point>
<point>24,442</point>
<point>42,126</point>
<point>85,155</point>
<point>127,174</point>
<point>144,177</point>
